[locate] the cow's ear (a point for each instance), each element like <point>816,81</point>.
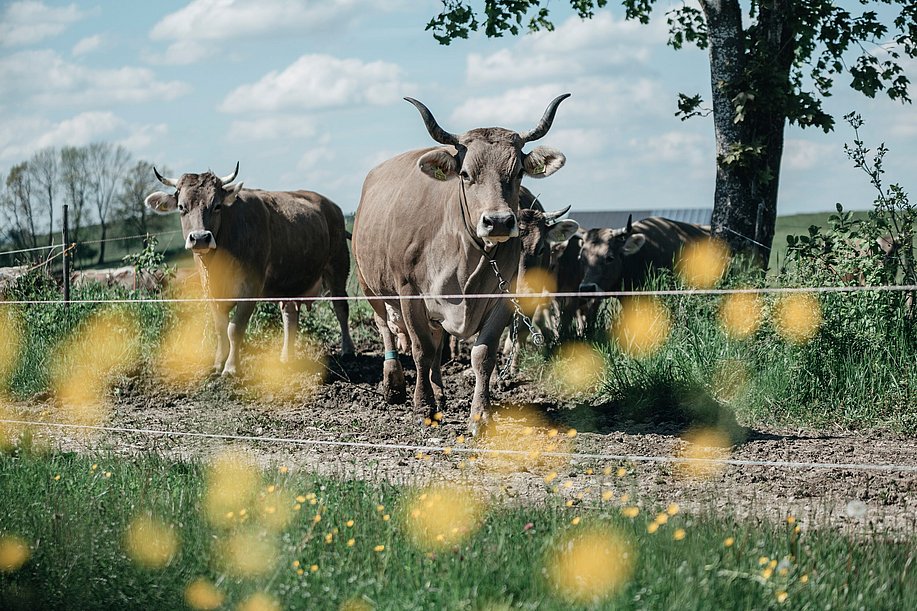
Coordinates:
<point>161,203</point>
<point>543,161</point>
<point>561,231</point>
<point>633,244</point>
<point>230,193</point>
<point>439,164</point>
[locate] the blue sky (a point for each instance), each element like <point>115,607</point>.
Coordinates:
<point>308,95</point>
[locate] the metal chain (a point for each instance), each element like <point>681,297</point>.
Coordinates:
<point>537,336</point>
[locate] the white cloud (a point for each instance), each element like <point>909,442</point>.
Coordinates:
<point>86,45</point>
<point>200,28</point>
<point>805,154</point>
<point>681,147</point>
<point>20,136</point>
<point>273,127</point>
<point>45,78</point>
<point>319,81</point>
<point>315,158</point>
<point>596,99</point>
<point>576,47</point>
<point>29,22</point>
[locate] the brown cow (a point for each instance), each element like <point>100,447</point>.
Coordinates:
<point>249,243</point>
<point>126,277</point>
<point>440,221</point>
<point>621,259</point>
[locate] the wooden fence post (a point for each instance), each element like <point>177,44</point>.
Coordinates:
<point>66,257</point>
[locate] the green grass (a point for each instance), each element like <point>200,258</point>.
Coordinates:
<point>73,511</point>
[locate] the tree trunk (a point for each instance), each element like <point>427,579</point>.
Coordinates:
<point>102,244</point>
<point>748,87</point>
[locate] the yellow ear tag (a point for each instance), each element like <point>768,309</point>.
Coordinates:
<point>539,169</point>
<point>439,174</point>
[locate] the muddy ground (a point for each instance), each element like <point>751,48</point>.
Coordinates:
<point>348,407</point>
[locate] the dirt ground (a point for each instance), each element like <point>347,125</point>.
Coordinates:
<point>348,407</point>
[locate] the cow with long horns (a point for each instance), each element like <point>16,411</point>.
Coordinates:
<point>436,225</point>
<point>251,244</point>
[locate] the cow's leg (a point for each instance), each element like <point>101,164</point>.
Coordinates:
<point>436,374</point>
<point>483,360</point>
<point>220,312</point>
<point>290,312</point>
<point>423,349</point>
<point>236,334</point>
<point>393,385</point>
<point>338,287</point>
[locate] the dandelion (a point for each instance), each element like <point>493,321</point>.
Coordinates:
<point>57,478</point>
<point>259,601</point>
<point>790,520</point>
<point>460,439</point>
<point>804,579</point>
<point>763,560</point>
<point>568,484</point>
<point>630,512</point>
<point>386,518</point>
<point>679,534</point>
<point>797,317</point>
<point>589,565</point>
<point>702,263</point>
<point>296,564</point>
<point>621,472</point>
<point>317,518</point>
<point>351,542</point>
<point>575,521</point>
<point>379,548</point>
<point>766,573</point>
<point>672,509</point>
<point>729,542</point>
<point>282,469</point>
<point>300,499</point>
<point>150,542</point>
<point>14,552</point>
<point>642,327</point>
<point>313,568</point>
<point>349,523</point>
<point>380,508</point>
<point>652,527</point>
<point>569,503</point>
<point>571,433</point>
<point>781,596</point>
<point>588,471</point>
<point>329,538</point>
<point>203,595</point>
<point>550,477</point>
<point>662,518</point>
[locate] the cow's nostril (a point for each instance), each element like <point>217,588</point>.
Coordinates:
<point>511,222</point>
<point>487,221</point>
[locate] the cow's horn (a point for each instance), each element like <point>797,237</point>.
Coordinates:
<point>436,132</point>
<point>630,226</point>
<point>169,182</point>
<point>551,217</point>
<point>225,180</point>
<point>545,124</point>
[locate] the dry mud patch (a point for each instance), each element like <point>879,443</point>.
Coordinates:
<point>348,407</point>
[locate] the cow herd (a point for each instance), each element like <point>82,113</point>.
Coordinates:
<point>440,234</point>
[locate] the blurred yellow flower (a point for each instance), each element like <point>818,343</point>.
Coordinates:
<point>14,552</point>
<point>589,565</point>
<point>642,326</point>
<point>203,595</point>
<point>702,263</point>
<point>150,542</point>
<point>679,534</point>
<point>797,317</point>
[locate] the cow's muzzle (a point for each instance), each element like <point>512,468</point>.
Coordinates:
<point>498,226</point>
<point>200,241</point>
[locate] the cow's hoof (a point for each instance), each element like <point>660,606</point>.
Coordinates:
<point>394,395</point>
<point>477,424</point>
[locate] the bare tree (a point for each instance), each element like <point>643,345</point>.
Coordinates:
<point>106,163</point>
<point>44,169</point>
<point>75,180</point>
<point>18,206</point>
<point>138,182</point>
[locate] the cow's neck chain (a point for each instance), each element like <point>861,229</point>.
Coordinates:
<point>537,336</point>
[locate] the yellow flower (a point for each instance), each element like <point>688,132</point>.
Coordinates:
<point>314,568</point>
<point>571,433</point>
<point>607,495</point>
<point>300,571</point>
<point>379,548</point>
<point>350,542</point>
<point>672,509</point>
<point>766,573</point>
<point>282,469</point>
<point>57,478</point>
<point>804,579</point>
<point>790,520</point>
<point>621,472</point>
<point>569,503</point>
<point>781,596</point>
<point>575,521</point>
<point>386,518</point>
<point>14,552</point>
<point>329,538</point>
<point>589,471</point>
<point>763,560</point>
<point>729,542</point>
<point>380,508</point>
<point>568,484</point>
<point>606,471</point>
<point>317,518</point>
<point>679,534</point>
<point>652,527</point>
<point>662,518</point>
<point>300,499</point>
<point>349,523</point>
<point>296,564</point>
<point>550,477</point>
<point>630,512</point>
<point>271,488</point>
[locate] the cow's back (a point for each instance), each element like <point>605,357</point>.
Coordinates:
<point>665,238</point>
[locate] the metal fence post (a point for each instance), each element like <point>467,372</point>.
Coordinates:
<point>66,257</point>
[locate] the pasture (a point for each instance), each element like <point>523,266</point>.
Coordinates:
<point>573,450</point>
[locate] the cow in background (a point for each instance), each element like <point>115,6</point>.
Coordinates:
<point>444,221</point>
<point>622,259</point>
<point>252,244</point>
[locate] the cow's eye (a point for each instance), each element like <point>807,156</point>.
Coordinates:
<point>465,175</point>
<point>181,209</point>
<point>217,207</point>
